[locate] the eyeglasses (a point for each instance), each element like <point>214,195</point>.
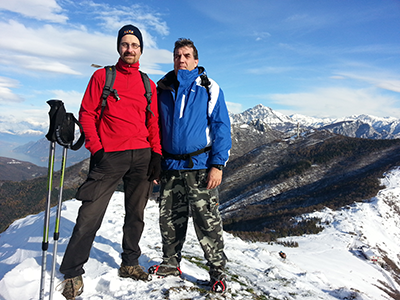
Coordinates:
<point>126,45</point>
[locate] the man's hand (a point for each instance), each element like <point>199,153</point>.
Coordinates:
<point>154,167</point>
<point>214,178</point>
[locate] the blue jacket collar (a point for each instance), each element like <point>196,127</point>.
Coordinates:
<point>170,81</point>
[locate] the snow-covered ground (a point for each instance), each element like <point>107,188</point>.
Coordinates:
<point>323,266</point>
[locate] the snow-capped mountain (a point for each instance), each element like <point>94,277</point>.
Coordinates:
<point>335,264</point>
<point>364,126</point>
<point>260,112</point>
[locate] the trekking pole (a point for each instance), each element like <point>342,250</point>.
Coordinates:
<point>45,242</point>
<point>57,223</point>
<point>61,130</point>
<point>51,136</point>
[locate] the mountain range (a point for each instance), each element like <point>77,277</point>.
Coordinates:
<point>362,126</point>
<point>25,146</point>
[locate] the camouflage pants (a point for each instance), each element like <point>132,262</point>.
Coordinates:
<point>184,194</point>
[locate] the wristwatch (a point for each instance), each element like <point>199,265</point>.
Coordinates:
<point>219,167</point>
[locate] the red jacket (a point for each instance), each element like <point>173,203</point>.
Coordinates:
<point>123,125</point>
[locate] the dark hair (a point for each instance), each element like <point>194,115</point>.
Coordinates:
<point>182,42</point>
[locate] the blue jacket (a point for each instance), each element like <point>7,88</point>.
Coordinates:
<point>190,121</point>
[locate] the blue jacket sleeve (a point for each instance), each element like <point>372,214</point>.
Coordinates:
<point>220,128</point>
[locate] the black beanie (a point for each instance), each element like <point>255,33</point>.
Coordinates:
<point>130,29</point>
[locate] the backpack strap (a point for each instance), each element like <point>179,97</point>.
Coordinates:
<point>147,87</point>
<point>111,73</point>
<point>206,83</point>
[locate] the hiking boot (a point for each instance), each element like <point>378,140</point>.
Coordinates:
<point>134,272</point>
<point>217,281</point>
<point>165,270</point>
<point>72,287</point>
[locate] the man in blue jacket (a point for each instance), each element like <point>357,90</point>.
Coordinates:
<point>196,140</point>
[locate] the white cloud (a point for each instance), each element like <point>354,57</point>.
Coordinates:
<point>337,102</point>
<point>52,43</point>
<point>6,94</point>
<point>391,85</point>
<point>71,99</point>
<point>19,119</point>
<point>151,58</point>
<point>47,10</point>
<point>269,70</point>
<point>69,48</point>
<point>259,36</point>
<point>381,80</point>
<point>39,64</point>
<point>63,50</point>
<point>116,16</point>
<point>234,108</point>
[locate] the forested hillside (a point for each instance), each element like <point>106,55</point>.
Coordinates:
<point>18,199</point>
<point>265,189</point>
<point>17,170</point>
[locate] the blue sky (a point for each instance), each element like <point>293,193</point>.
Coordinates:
<point>321,58</point>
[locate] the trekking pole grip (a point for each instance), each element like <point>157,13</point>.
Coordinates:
<point>55,105</point>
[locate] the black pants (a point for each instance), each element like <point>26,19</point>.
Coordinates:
<point>95,193</point>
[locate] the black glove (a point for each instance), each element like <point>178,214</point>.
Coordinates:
<point>154,166</point>
<point>96,158</point>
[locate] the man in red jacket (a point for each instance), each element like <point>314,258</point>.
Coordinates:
<point>125,144</point>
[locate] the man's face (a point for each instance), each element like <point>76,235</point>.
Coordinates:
<point>184,59</point>
<point>127,50</point>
